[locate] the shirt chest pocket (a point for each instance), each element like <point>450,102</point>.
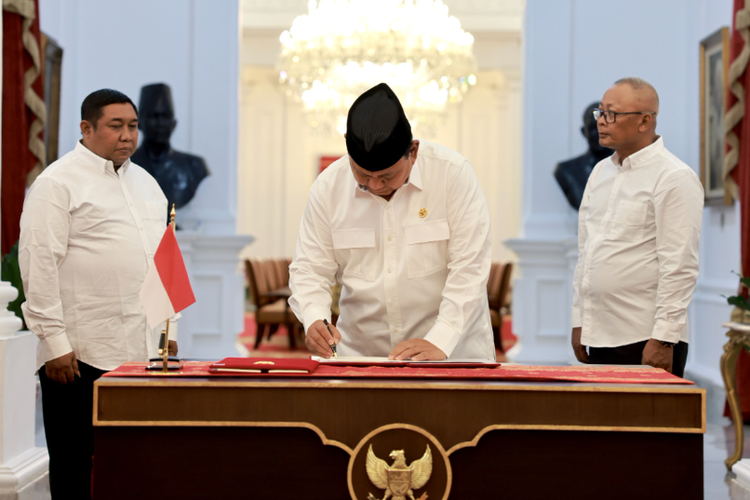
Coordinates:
<point>628,222</point>
<point>157,211</point>
<point>427,248</point>
<point>355,252</point>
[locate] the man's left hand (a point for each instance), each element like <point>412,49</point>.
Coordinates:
<point>172,348</point>
<point>417,350</point>
<point>657,355</point>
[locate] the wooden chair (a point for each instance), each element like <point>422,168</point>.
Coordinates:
<point>505,289</point>
<point>281,268</point>
<point>271,312</point>
<point>493,285</point>
<point>499,299</point>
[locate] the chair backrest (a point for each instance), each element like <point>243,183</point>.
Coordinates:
<point>503,295</point>
<point>269,272</point>
<point>252,282</point>
<point>257,277</point>
<point>493,285</point>
<point>281,268</point>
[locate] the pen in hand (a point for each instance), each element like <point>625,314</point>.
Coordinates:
<point>333,345</point>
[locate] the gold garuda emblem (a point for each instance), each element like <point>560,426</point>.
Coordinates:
<point>399,479</point>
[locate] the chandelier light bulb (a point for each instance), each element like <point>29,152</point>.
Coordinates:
<point>341,48</point>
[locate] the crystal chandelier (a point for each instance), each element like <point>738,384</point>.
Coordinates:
<point>343,47</point>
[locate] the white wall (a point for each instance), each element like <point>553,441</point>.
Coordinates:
<point>574,50</point>
<point>192,45</point>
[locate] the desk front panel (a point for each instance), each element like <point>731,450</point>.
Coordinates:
<point>498,437</point>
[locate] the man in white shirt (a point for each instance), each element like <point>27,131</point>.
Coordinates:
<point>404,226</point>
<point>90,226</point>
<point>638,233</point>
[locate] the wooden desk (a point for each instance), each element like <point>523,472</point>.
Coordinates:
<point>296,438</point>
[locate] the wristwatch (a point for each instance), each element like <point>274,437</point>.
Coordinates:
<point>667,344</point>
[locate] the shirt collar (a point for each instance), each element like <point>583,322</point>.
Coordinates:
<point>94,160</point>
<point>639,157</point>
<point>415,179</point>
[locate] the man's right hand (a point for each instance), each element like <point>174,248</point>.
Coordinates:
<point>63,369</point>
<point>318,340</point>
<point>578,349</point>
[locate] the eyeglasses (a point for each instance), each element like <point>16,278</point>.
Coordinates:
<point>611,116</point>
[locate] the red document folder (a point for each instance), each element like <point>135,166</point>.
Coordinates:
<point>264,365</point>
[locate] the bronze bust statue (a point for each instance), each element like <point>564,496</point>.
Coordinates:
<point>177,173</point>
<point>572,174</point>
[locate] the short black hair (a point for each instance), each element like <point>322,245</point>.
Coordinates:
<point>91,108</point>
<point>407,153</point>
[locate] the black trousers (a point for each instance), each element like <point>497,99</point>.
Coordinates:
<point>631,355</point>
<point>67,410</point>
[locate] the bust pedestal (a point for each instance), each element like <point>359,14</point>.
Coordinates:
<point>542,299</point>
<point>209,328</point>
<point>23,466</point>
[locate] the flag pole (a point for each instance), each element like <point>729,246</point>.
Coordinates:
<point>165,352</point>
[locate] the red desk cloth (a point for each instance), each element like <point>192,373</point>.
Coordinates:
<point>590,374</point>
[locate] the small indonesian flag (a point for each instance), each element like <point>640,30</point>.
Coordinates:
<point>166,289</point>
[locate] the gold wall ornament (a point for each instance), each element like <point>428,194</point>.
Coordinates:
<point>399,480</point>
<point>423,212</point>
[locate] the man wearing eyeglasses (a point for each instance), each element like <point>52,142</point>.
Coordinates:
<point>638,232</point>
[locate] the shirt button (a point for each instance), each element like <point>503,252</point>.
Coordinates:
<point>389,238</point>
<point>389,269</point>
<point>395,330</point>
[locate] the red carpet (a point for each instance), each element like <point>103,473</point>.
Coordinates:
<point>278,346</point>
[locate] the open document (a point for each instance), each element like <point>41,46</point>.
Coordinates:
<point>384,361</point>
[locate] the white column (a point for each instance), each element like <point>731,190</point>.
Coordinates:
<point>542,294</point>
<point>23,467</point>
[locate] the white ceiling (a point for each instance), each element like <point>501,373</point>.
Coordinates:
<point>499,16</point>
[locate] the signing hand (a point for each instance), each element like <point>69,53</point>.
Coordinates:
<point>318,340</point>
<point>172,348</point>
<point>63,369</point>
<point>657,355</point>
<point>578,349</point>
<point>417,350</point>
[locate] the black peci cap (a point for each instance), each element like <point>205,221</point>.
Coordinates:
<point>377,131</point>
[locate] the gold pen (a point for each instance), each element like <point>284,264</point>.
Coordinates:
<point>333,346</point>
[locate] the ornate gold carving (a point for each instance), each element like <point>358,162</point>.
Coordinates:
<point>399,479</point>
<point>433,446</point>
<point>264,363</point>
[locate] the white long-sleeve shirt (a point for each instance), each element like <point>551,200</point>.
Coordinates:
<point>638,233</point>
<point>403,276</point>
<point>88,235</point>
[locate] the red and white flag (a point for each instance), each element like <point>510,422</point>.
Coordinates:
<point>166,289</point>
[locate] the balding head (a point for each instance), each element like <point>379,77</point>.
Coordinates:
<point>643,92</point>
<point>633,104</point>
